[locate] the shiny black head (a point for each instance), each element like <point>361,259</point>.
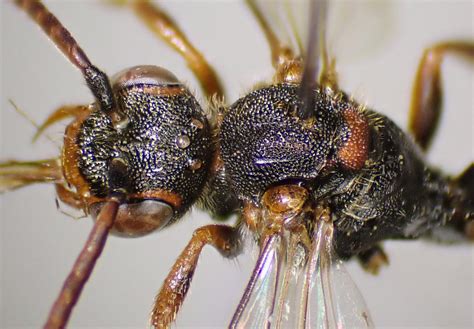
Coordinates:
<point>164,142</point>
<point>264,142</point>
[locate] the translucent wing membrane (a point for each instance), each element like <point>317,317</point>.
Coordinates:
<point>333,299</point>
<point>356,29</point>
<point>283,23</point>
<point>349,26</point>
<point>292,287</point>
<point>287,19</point>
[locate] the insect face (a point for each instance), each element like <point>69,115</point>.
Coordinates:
<point>163,141</point>
<point>38,239</point>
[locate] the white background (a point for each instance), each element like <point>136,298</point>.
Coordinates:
<point>426,284</point>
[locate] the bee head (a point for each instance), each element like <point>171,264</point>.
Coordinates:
<point>162,142</point>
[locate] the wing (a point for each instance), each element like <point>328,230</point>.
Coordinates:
<point>319,31</point>
<point>357,29</point>
<point>295,287</point>
<point>332,300</point>
<point>297,57</point>
<point>287,21</point>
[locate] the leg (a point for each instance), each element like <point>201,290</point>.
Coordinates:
<point>69,197</point>
<point>62,113</point>
<point>280,52</point>
<point>288,66</point>
<point>16,174</point>
<point>288,62</point>
<point>373,259</point>
<point>427,94</point>
<point>225,239</point>
<point>164,27</point>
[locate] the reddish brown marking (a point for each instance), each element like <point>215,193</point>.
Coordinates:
<point>197,123</point>
<point>375,261</point>
<point>169,197</point>
<point>290,71</point>
<point>285,198</point>
<point>355,151</point>
<point>69,197</point>
<point>69,160</point>
<point>216,163</point>
<point>73,176</point>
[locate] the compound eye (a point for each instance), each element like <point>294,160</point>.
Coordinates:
<point>144,75</point>
<point>138,218</point>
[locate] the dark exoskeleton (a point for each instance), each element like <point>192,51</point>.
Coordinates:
<point>295,159</point>
<point>390,193</point>
<point>164,145</point>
